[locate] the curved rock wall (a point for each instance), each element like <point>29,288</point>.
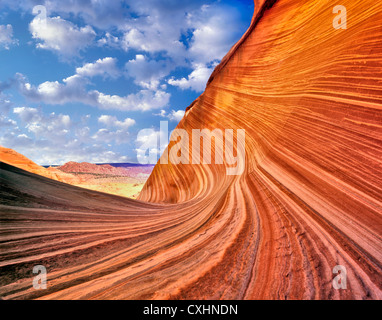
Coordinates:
<point>309,97</point>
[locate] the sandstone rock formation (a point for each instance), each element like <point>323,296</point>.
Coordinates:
<point>86,167</point>
<point>18,160</point>
<point>309,97</point>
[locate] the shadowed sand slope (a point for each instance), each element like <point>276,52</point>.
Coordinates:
<point>309,198</point>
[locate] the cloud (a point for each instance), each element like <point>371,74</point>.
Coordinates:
<point>5,103</point>
<point>73,89</point>
<point>201,30</point>
<point>103,67</point>
<point>109,41</point>
<point>46,152</point>
<point>147,73</point>
<point>61,36</point>
<point>189,35</point>
<point>58,128</point>
<point>120,135</point>
<point>195,81</point>
<point>209,42</point>
<point>144,100</point>
<point>56,138</point>
<point>112,121</point>
<point>7,122</point>
<point>159,26</point>
<point>100,14</point>
<point>106,135</point>
<point>165,35</point>
<point>215,29</point>
<point>188,30</point>
<point>155,39</point>
<point>52,127</point>
<point>176,115</point>
<point>15,140</point>
<point>27,114</point>
<point>6,36</point>
<point>173,115</point>
<point>116,130</point>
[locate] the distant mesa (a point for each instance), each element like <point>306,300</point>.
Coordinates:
<point>86,167</point>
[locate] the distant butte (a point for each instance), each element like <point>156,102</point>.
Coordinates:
<point>86,167</point>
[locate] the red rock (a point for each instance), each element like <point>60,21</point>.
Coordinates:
<point>310,98</point>
<point>86,167</point>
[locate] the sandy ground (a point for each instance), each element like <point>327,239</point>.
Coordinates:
<point>121,186</point>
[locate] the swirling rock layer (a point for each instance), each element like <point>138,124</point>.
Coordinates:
<point>309,97</point>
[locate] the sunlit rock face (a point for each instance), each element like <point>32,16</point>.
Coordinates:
<point>309,98</point>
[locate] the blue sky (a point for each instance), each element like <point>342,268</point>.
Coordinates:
<point>79,79</point>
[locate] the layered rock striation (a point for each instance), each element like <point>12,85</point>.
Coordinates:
<point>309,97</point>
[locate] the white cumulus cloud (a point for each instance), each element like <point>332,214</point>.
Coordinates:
<point>53,127</point>
<point>103,67</point>
<point>147,73</point>
<point>59,35</point>
<point>112,121</point>
<point>195,81</point>
<point>73,89</point>
<point>173,115</point>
